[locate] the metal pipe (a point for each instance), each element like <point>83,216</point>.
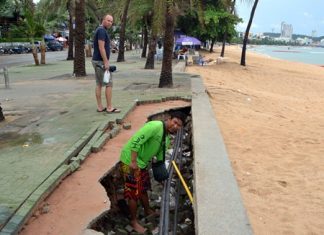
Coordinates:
<point>177,188</point>
<point>165,203</point>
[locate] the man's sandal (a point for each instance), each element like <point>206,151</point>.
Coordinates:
<point>114,110</point>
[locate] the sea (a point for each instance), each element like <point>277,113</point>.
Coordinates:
<point>308,55</point>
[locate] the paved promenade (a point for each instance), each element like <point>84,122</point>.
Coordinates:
<point>52,125</point>
<point>50,115</point>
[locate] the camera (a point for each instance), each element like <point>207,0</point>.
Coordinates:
<point>112,68</point>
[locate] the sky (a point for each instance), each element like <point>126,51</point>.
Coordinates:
<point>304,15</point>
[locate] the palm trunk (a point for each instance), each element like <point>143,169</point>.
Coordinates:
<point>35,55</point>
<point>212,45</point>
<point>122,33</point>
<point>145,41</point>
<point>43,51</point>
<point>246,36</point>
<point>79,60</point>
<point>152,50</point>
<point>223,46</point>
<point>225,34</point>
<point>166,72</point>
<point>71,31</point>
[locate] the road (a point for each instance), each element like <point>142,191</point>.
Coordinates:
<point>25,59</point>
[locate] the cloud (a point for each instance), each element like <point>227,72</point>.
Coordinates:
<point>308,15</point>
<point>244,25</point>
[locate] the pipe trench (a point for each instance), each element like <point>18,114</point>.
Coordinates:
<point>176,215</point>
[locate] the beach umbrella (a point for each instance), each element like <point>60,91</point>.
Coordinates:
<point>190,41</point>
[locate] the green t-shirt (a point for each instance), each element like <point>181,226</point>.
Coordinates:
<point>147,143</point>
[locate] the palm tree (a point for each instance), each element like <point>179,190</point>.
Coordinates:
<point>171,11</point>
<point>247,31</point>
<point>166,72</point>
<point>79,60</point>
<point>31,28</point>
<point>57,9</point>
<point>144,36</point>
<point>157,14</point>
<point>121,47</point>
<point>232,7</point>
<point>140,17</point>
<point>70,5</point>
<point>40,19</point>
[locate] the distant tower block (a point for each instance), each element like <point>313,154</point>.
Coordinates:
<point>314,33</point>
<point>286,30</point>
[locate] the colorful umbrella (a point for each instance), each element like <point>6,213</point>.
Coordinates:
<point>188,41</point>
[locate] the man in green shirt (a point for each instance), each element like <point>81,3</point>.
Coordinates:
<point>135,157</point>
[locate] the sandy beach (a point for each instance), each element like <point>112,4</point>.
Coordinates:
<point>271,115</point>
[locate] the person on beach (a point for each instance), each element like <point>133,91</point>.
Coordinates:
<point>100,62</point>
<point>135,156</point>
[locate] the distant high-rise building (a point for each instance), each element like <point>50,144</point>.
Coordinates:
<point>314,33</point>
<point>286,30</point>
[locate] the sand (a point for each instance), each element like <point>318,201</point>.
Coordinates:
<point>271,115</point>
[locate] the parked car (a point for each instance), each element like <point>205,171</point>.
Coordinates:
<point>20,49</point>
<point>54,46</point>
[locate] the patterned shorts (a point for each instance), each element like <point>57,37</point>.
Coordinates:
<point>135,183</point>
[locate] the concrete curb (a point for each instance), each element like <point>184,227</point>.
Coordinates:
<point>217,201</point>
<point>78,146</point>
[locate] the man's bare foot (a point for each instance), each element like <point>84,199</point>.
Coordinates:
<point>137,227</point>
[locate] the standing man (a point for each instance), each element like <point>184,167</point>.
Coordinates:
<point>135,156</point>
<point>100,62</point>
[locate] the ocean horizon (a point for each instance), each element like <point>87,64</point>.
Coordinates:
<point>308,55</point>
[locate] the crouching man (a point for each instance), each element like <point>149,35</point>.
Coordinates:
<point>135,156</point>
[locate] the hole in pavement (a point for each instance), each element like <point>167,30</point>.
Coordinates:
<point>175,200</point>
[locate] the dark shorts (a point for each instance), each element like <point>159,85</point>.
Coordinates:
<point>135,184</point>
<point>99,71</point>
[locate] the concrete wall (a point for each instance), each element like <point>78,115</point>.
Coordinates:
<point>218,205</point>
